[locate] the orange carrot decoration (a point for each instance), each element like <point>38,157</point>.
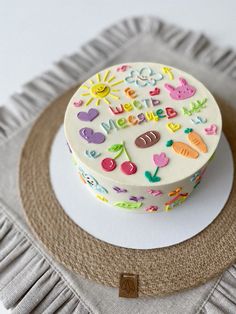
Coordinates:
<point>183,149</point>
<point>196,140</point>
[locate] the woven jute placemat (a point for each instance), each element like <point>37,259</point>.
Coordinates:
<point>160,271</point>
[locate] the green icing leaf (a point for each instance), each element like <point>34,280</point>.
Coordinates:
<point>128,205</point>
<point>188,130</point>
<point>151,178</point>
<point>115,148</point>
<point>169,143</point>
<point>186,111</point>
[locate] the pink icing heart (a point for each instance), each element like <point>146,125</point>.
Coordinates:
<point>89,135</point>
<point>78,103</point>
<point>122,68</point>
<point>88,116</point>
<point>155,92</point>
<point>211,130</point>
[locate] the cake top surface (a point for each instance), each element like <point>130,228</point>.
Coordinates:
<point>143,124</point>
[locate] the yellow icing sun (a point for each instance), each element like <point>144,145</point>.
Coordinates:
<point>101,89</point>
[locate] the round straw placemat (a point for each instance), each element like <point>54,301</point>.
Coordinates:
<point>160,271</point>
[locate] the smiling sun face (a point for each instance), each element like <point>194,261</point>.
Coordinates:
<point>99,90</point>
<point>102,89</point>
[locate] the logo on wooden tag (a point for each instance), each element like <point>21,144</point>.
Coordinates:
<point>128,286</point>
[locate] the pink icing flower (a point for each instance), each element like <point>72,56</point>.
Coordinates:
<point>151,208</point>
<point>160,160</point>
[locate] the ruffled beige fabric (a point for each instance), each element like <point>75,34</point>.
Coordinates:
<point>30,280</point>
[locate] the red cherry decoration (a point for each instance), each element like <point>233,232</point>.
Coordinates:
<point>108,164</point>
<point>128,167</point>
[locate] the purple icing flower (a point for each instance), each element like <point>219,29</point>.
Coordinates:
<point>136,198</point>
<point>119,190</point>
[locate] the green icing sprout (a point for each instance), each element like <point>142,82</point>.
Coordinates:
<point>196,106</point>
<point>169,143</point>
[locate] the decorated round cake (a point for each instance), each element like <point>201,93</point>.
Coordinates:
<point>141,135</point>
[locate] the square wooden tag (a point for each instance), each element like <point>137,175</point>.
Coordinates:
<point>128,286</point>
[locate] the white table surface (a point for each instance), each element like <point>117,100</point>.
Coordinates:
<point>34,34</point>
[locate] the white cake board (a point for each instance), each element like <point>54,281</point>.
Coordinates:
<point>135,230</point>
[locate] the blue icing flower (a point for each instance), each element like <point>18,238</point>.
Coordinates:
<point>143,77</point>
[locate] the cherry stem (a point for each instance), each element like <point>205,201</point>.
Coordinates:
<point>120,152</point>
<point>155,173</point>
<point>128,156</point>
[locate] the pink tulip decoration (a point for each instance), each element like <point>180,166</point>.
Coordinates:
<point>160,161</point>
